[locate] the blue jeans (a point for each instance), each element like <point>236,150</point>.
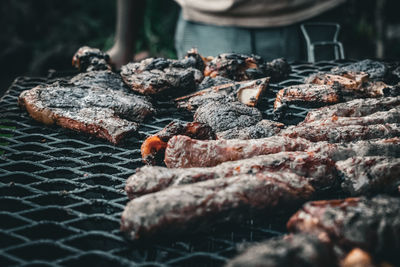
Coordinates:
<point>211,40</point>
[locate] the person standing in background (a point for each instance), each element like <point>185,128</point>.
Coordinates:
<point>269,28</point>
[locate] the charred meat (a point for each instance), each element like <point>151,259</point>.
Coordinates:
<point>248,93</point>
<point>263,128</point>
<point>91,59</point>
<point>381,117</point>
<point>342,151</point>
<point>338,134</point>
<point>354,108</point>
<point>293,250</point>
<point>240,67</point>
<point>98,110</point>
<point>375,69</point>
<point>189,208</point>
<point>312,94</point>
<point>185,152</point>
<point>158,75</point>
<point>209,82</point>
<point>319,169</point>
<point>221,117</point>
<point>370,224</point>
<point>153,147</point>
<point>366,175</point>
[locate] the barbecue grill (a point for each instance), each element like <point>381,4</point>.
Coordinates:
<point>62,192</point>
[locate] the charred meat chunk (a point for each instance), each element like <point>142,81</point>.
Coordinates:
<point>91,59</point>
<point>370,224</point>
<point>354,85</point>
<point>153,147</point>
<point>248,93</point>
<point>312,94</point>
<point>338,134</point>
<point>292,250</point>
<point>105,79</point>
<point>354,108</point>
<point>263,128</point>
<point>224,116</point>
<point>367,175</point>
<point>99,111</point>
<point>211,82</point>
<point>380,117</point>
<point>342,151</point>
<point>348,80</point>
<point>185,152</point>
<point>240,67</point>
<point>375,69</point>
<point>159,75</point>
<point>318,168</point>
<point>190,208</point>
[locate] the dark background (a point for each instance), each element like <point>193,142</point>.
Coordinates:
<point>38,35</point>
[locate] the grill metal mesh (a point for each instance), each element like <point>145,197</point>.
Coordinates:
<point>61,193</point>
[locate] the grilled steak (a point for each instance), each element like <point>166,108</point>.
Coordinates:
<point>240,67</point>
<point>370,224</point>
<point>354,108</point>
<point>91,59</point>
<point>319,169</point>
<point>312,94</point>
<point>337,134</point>
<point>248,93</point>
<point>185,152</point>
<point>189,208</point>
<point>158,75</point>
<point>381,117</point>
<point>342,151</point>
<point>263,128</point>
<point>294,250</point>
<point>153,147</point>
<point>366,175</point>
<point>98,110</point>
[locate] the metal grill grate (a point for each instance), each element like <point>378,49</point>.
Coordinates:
<point>61,193</point>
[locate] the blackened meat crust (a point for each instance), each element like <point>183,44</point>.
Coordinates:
<point>221,117</point>
<point>312,94</point>
<point>376,70</point>
<point>294,250</point>
<point>375,147</point>
<point>370,224</point>
<point>354,108</point>
<point>338,134</point>
<point>96,109</point>
<point>241,67</point>
<point>211,82</point>
<point>190,208</point>
<point>91,59</point>
<point>380,117</point>
<point>367,175</point>
<point>263,128</point>
<point>158,75</point>
<point>247,92</point>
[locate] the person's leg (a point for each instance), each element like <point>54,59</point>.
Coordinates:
<point>211,40</point>
<point>271,43</point>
